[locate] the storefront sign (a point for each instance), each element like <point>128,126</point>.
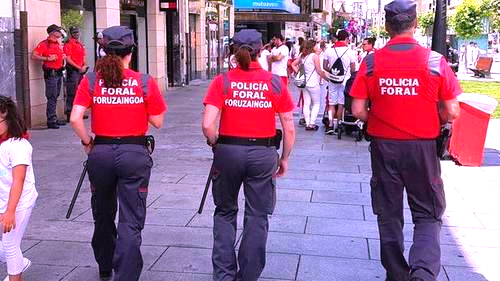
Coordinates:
<point>131,4</point>
<point>275,5</point>
<point>168,5</point>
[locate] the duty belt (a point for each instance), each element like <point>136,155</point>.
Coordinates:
<point>120,140</point>
<point>247,141</point>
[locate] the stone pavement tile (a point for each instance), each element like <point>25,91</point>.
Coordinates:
<point>154,235</point>
<point>338,269</point>
<point>338,167</point>
<point>342,227</point>
<point>59,230</point>
<point>277,223</point>
<point>317,245</point>
<point>172,217</point>
<point>456,273</point>
<point>325,196</point>
<point>318,210</point>
<point>490,221</point>
<point>319,185</point>
<point>40,272</point>
<point>199,180</point>
<point>293,194</point>
<point>173,178</point>
<point>187,202</point>
<point>173,189</point>
<point>347,177</point>
<point>194,260</point>
<point>62,253</point>
<point>83,273</point>
<point>461,219</point>
<point>470,236</point>
<point>173,276</point>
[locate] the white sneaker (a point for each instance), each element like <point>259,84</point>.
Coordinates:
<point>27,264</point>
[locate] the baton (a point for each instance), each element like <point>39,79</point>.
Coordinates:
<point>77,190</point>
<point>207,186</point>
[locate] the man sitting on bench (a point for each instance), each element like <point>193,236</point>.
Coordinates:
<point>483,67</point>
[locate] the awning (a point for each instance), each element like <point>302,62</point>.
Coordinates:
<point>270,17</point>
<point>267,5</point>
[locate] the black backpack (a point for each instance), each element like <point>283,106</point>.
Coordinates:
<point>337,71</point>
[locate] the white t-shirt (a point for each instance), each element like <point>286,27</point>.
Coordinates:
<point>263,59</point>
<point>279,67</point>
<point>14,152</point>
<point>312,76</point>
<point>347,55</point>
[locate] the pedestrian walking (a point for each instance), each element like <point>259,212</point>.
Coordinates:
<point>309,61</point>
<point>247,99</point>
<point>339,61</point>
<point>122,103</point>
<point>50,52</point>
<point>404,83</point>
<point>17,188</point>
<point>75,67</point>
<point>279,57</point>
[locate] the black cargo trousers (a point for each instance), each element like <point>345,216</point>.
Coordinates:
<point>119,171</point>
<point>414,165</point>
<point>255,167</point>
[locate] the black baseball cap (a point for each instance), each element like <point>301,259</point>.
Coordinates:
<point>249,38</point>
<point>400,11</point>
<point>54,27</point>
<point>73,30</point>
<point>117,38</point>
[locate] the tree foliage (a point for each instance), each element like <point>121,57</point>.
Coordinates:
<point>467,22</point>
<point>493,9</point>
<point>71,18</point>
<point>425,22</point>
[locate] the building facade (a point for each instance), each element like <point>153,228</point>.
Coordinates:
<point>170,36</point>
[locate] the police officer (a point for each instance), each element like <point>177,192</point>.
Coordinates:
<point>247,99</point>
<point>404,83</point>
<point>122,103</point>
<point>75,66</point>
<point>50,52</point>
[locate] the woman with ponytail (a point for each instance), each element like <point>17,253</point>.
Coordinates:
<point>247,99</point>
<point>122,103</point>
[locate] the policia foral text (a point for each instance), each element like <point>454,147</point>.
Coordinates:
<point>247,99</point>
<point>404,84</point>
<point>122,103</point>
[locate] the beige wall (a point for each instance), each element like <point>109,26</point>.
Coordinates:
<point>40,15</point>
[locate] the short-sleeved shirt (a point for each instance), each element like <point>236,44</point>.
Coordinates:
<point>279,67</point>
<point>404,83</point>
<point>342,50</point>
<point>249,104</point>
<point>75,50</point>
<point>123,111</point>
<point>14,152</point>
<point>48,47</point>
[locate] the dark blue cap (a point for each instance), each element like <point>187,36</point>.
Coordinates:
<point>249,38</point>
<point>53,27</point>
<point>117,37</point>
<point>400,10</point>
<point>73,30</point>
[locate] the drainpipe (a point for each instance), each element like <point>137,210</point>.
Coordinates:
<point>21,59</point>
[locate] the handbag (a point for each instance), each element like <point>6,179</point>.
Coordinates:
<point>300,80</point>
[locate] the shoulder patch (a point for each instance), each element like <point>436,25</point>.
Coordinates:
<point>91,76</point>
<point>276,84</point>
<point>435,63</point>
<point>370,64</point>
<point>144,81</point>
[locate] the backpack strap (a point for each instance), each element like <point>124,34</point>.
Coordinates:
<point>144,82</point>
<point>91,76</point>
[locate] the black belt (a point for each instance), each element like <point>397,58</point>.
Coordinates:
<point>247,141</point>
<point>120,140</point>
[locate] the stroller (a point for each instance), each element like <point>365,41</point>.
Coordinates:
<point>349,124</point>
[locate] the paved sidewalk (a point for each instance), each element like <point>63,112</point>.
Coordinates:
<point>323,228</point>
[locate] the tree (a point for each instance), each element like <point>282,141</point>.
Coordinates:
<point>492,8</point>
<point>425,22</point>
<point>468,20</point>
<point>72,18</point>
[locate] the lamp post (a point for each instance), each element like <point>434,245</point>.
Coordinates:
<point>439,28</point>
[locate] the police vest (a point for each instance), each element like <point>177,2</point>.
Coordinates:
<point>404,80</point>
